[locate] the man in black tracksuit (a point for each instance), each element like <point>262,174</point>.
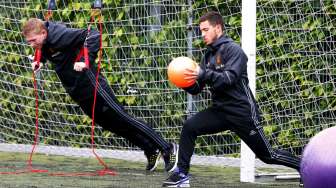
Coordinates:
<point>224,69</point>
<point>64,48</point>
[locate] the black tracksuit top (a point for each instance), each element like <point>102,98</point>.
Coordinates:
<point>224,69</point>
<point>61,47</point>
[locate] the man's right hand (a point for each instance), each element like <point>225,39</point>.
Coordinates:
<point>192,74</point>
<point>36,67</point>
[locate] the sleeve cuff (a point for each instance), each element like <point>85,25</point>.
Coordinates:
<point>201,75</point>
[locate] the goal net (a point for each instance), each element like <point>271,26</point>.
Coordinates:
<point>296,69</point>
<point>295,73</point>
<point>140,38</point>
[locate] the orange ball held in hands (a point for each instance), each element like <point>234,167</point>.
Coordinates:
<point>176,71</point>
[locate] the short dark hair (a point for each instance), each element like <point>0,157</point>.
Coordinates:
<point>214,18</point>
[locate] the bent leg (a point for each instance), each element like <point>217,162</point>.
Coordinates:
<point>205,122</point>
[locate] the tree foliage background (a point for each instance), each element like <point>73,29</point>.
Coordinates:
<point>295,82</point>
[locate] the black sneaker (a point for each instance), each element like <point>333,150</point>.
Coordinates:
<point>170,158</point>
<point>177,179</point>
<point>152,160</point>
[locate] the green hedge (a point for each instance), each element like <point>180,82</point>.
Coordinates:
<point>293,99</point>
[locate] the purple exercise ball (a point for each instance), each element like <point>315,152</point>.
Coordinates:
<point>318,165</point>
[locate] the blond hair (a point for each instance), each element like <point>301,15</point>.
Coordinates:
<point>33,26</point>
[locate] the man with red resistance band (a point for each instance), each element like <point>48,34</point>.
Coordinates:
<point>64,48</point>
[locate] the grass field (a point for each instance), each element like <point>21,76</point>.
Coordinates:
<point>129,174</point>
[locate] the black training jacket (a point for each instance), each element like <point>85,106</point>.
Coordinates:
<point>224,69</point>
<point>61,48</point>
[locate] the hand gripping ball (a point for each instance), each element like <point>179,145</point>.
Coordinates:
<point>177,68</point>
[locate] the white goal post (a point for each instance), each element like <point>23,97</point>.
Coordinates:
<point>248,42</point>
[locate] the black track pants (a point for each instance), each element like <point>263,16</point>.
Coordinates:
<point>214,120</point>
<point>110,115</point>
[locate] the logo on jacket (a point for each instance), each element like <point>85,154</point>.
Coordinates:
<point>252,132</point>
<point>219,64</point>
<point>55,54</point>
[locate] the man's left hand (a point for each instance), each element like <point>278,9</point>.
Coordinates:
<point>80,66</point>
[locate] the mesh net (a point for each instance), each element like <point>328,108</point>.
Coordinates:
<point>295,71</point>
<point>140,39</point>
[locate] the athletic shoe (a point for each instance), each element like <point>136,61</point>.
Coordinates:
<point>177,179</point>
<point>170,158</point>
<point>152,160</point>
<point>301,183</point>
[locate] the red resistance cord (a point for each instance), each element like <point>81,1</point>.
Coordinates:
<point>85,52</point>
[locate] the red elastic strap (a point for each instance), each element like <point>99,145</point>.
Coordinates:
<point>83,52</point>
<point>79,55</point>
<point>86,57</point>
<point>37,56</point>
